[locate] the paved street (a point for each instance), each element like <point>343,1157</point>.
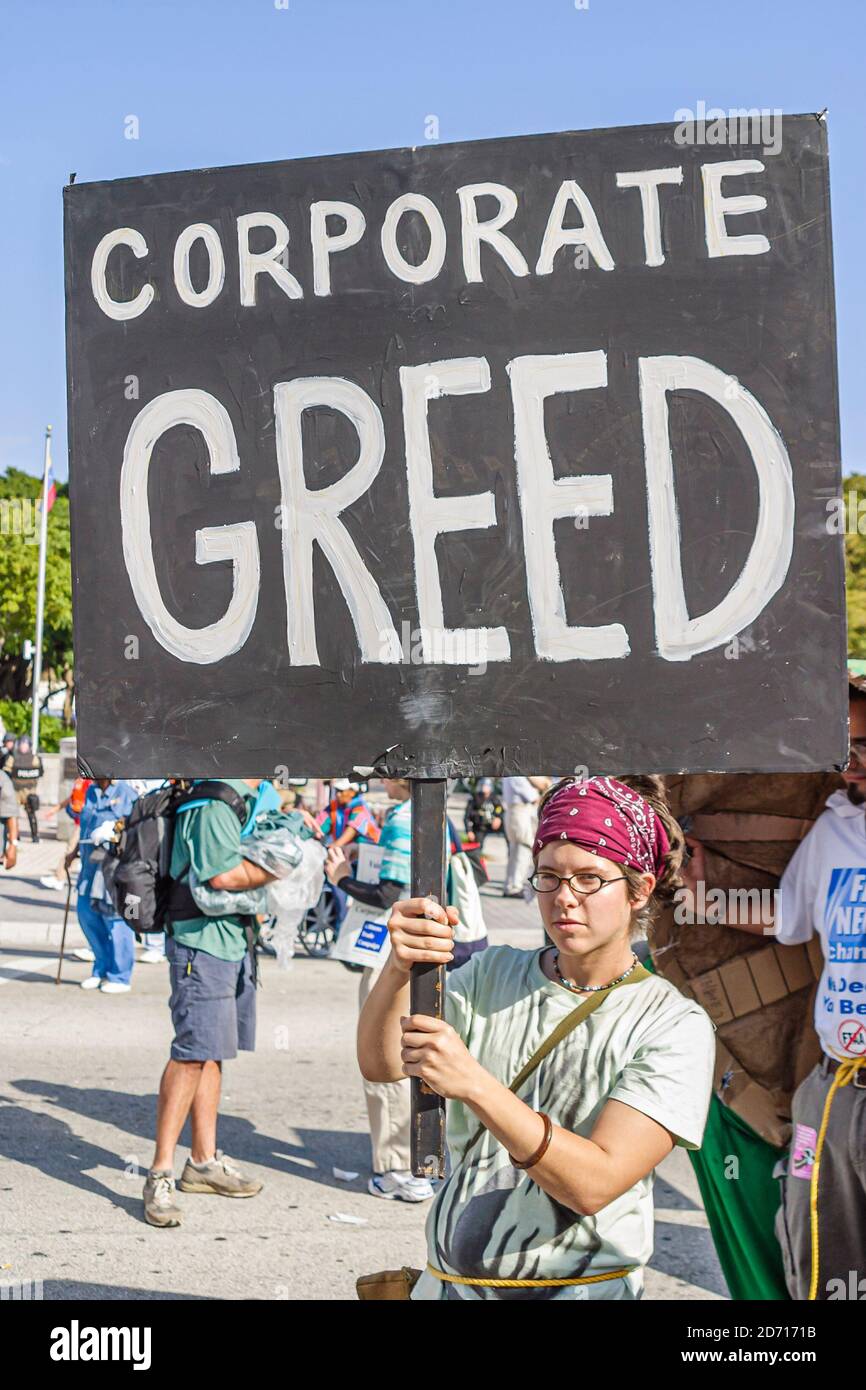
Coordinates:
<point>78,1079</point>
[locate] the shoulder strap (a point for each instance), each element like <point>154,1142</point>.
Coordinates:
<point>566,1026</point>
<point>213,791</point>
<point>181,904</point>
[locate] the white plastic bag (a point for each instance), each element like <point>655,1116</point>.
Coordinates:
<point>274,845</point>
<point>222,902</point>
<point>290,898</point>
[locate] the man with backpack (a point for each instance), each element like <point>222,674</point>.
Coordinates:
<point>213,1002</point>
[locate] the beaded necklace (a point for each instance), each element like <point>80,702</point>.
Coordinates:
<point>590,989</point>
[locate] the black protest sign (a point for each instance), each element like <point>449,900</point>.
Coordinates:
<point>516,455</point>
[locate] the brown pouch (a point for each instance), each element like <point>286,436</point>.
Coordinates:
<point>388,1284</point>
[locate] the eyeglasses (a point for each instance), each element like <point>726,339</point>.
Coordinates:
<point>583,884</point>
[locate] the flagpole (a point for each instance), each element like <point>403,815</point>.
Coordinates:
<point>40,593</point>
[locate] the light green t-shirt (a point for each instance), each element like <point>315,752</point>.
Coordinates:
<point>646,1045</point>
<point>209,839</point>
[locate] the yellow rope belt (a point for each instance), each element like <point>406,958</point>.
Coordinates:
<point>845,1072</point>
<point>529,1283</point>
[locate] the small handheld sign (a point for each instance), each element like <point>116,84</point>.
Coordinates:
<point>363,935</point>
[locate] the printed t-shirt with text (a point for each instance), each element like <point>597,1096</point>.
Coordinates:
<point>823,891</point>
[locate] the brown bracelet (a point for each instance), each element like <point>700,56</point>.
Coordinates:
<point>542,1148</point>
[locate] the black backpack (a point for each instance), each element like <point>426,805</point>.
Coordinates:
<point>136,869</point>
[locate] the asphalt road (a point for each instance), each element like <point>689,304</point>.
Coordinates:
<point>78,1081</point>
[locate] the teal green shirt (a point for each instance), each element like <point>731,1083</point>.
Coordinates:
<point>396,841</point>
<point>208,838</point>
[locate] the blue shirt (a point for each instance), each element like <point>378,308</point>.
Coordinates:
<point>396,841</point>
<point>519,791</point>
<point>267,799</point>
<point>99,806</point>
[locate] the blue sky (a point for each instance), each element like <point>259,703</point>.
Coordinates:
<point>237,81</point>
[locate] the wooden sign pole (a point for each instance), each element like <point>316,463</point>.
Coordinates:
<point>427,982</point>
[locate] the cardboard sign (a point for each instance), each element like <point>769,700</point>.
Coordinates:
<point>510,456</point>
<point>363,935</point>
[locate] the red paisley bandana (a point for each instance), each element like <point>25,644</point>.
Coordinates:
<point>607,818</point>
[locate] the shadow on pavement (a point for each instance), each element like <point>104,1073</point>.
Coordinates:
<point>31,1137</point>
<point>63,1289</point>
<point>688,1253</point>
<point>49,899</point>
<point>53,1148</point>
<point>16,952</point>
<point>670,1198</point>
<point>35,976</point>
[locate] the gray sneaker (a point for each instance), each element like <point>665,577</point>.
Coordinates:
<point>159,1203</point>
<point>219,1176</point>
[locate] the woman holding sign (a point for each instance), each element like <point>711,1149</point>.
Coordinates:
<point>571,1071</point>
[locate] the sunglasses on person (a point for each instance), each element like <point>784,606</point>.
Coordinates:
<point>581,884</point>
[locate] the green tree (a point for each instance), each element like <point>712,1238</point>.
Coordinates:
<point>19,573</point>
<point>854,493</point>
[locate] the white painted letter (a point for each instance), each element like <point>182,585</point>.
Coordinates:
<point>312,515</point>
<point>237,542</point>
<point>679,637</point>
<point>431,516</point>
<point>116,308</point>
<point>543,498</point>
<point>474,232</point>
<point>325,245</point>
<point>199,299</point>
<point>435,258</point>
<point>716,208</point>
<point>253,263</point>
<point>648,181</point>
<point>589,235</point>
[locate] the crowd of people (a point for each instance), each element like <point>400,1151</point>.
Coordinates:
<point>571,1069</point>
